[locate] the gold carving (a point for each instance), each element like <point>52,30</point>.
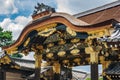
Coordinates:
<point>62,42</point>
<point>75,40</point>
<point>108,77</point>
<point>65,61</point>
<point>93,54</point>
<point>77,60</point>
<point>102,59</point>
<point>47,32</point>
<point>98,33</point>
<point>50,45</point>
<point>71,32</point>
<point>61,53</point>
<point>75,51</point>
<point>38,60</point>
<point>56,67</point>
<point>12,51</point>
<point>105,44</point>
<point>26,42</point>
<point>49,55</point>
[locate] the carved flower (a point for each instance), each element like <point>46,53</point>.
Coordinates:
<point>49,55</point>
<point>61,53</point>
<point>75,51</point>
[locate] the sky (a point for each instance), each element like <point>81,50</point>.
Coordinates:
<point>15,14</point>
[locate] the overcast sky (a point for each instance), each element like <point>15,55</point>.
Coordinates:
<point>15,14</point>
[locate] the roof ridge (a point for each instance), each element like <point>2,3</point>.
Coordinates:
<point>100,8</point>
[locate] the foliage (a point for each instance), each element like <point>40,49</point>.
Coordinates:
<point>5,37</point>
<point>88,79</point>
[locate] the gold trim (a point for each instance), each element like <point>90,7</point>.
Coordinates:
<point>49,55</point>
<point>77,60</point>
<point>12,51</point>
<point>62,42</point>
<point>56,67</point>
<point>50,45</point>
<point>99,33</point>
<point>75,40</point>
<point>38,60</point>
<point>61,53</point>
<point>104,74</point>
<point>65,61</point>
<point>26,42</point>
<point>75,51</point>
<point>47,32</point>
<point>71,32</point>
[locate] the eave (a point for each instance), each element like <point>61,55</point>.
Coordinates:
<point>41,23</point>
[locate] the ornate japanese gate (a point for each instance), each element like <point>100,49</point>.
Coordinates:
<point>62,40</point>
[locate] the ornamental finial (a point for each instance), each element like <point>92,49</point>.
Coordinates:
<point>42,7</point>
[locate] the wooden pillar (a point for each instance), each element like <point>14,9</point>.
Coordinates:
<point>38,60</point>
<point>94,65</point>
<point>2,74</point>
<point>94,71</point>
<point>56,70</point>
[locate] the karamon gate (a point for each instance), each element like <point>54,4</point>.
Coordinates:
<point>65,41</point>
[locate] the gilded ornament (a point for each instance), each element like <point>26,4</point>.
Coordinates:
<point>25,52</point>
<point>56,67</point>
<point>65,61</point>
<point>77,60</point>
<point>47,50</point>
<point>39,47</point>
<point>12,51</point>
<point>89,50</point>
<point>62,42</point>
<point>26,42</point>
<point>50,45</point>
<point>49,55</point>
<point>71,32</point>
<point>75,51</point>
<point>100,34</point>
<point>61,53</point>
<point>75,40</point>
<point>47,32</point>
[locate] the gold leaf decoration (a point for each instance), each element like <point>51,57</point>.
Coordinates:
<point>61,53</point>
<point>47,50</point>
<point>49,55</point>
<point>73,33</point>
<point>26,42</point>
<point>62,42</point>
<point>75,51</point>
<point>77,60</point>
<point>75,40</point>
<point>47,32</point>
<point>50,45</point>
<point>65,61</point>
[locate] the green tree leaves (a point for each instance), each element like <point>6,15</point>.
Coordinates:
<point>5,37</point>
